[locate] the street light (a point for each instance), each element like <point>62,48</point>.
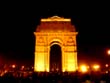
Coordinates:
<point>83,68</point>
<point>96,67</point>
<point>13,66</point>
<point>108,52</point>
<point>106,65</point>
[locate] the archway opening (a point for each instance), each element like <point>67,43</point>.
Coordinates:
<point>55,58</point>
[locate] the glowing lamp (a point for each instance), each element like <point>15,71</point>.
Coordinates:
<point>96,67</point>
<point>108,52</point>
<point>106,65</point>
<point>83,68</point>
<point>13,66</point>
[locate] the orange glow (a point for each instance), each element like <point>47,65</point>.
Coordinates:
<point>22,67</point>
<point>40,67</point>
<point>106,65</point>
<point>70,63</point>
<point>106,71</point>
<point>63,70</point>
<point>83,68</point>
<point>55,18</point>
<point>63,34</point>
<point>13,66</point>
<point>96,67</point>
<point>108,52</point>
<point>47,70</point>
<point>39,63</point>
<point>71,68</point>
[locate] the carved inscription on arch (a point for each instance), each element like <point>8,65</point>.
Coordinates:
<point>70,41</point>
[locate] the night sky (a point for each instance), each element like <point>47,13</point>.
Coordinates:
<point>19,21</point>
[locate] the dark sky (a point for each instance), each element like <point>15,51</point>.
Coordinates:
<point>19,21</point>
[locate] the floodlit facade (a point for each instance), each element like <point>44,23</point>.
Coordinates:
<point>55,31</point>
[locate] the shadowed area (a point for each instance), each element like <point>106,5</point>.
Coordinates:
<point>55,58</point>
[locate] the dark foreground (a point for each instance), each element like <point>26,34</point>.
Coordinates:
<point>94,77</point>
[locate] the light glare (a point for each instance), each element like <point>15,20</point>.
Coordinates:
<point>83,68</point>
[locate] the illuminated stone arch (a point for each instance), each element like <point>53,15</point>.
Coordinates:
<point>55,30</point>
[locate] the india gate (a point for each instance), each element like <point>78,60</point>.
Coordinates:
<point>55,45</point>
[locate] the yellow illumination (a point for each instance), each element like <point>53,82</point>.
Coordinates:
<point>47,70</point>
<point>63,70</point>
<point>83,68</point>
<point>71,68</point>
<point>66,40</point>
<point>96,67</point>
<point>55,18</point>
<point>40,67</point>
<point>39,62</point>
<point>69,63</point>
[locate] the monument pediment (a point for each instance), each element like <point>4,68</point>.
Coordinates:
<point>55,24</point>
<point>55,18</point>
